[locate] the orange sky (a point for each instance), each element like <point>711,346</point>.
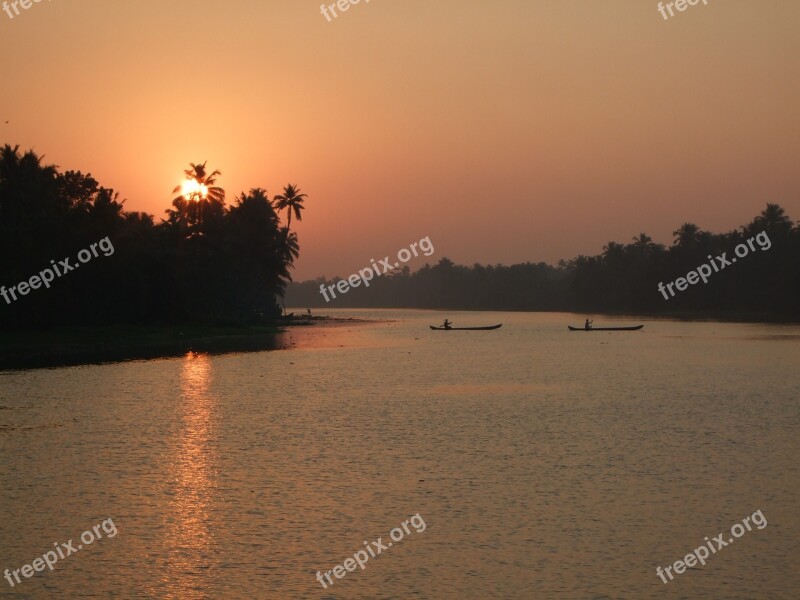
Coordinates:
<point>505,130</point>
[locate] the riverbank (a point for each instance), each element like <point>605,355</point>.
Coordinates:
<point>701,316</point>
<point>92,345</point>
<point>677,315</point>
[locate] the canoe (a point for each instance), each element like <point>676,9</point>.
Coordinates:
<point>633,328</point>
<point>466,328</point>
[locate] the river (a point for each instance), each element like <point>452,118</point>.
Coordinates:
<point>543,463</point>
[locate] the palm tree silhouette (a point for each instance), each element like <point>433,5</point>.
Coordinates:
<point>205,188</point>
<point>198,197</point>
<point>289,250</point>
<point>772,219</point>
<point>292,200</point>
<point>687,235</point>
<point>644,246</point>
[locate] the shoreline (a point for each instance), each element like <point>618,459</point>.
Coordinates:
<point>73,346</point>
<point>691,316</point>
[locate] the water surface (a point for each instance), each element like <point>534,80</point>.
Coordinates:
<point>545,463</point>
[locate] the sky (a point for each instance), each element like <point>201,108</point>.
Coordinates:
<point>506,131</point>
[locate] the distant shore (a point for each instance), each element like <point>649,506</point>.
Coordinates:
<point>730,317</point>
<point>91,345</point>
<point>685,315</point>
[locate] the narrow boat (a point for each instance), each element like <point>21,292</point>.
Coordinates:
<point>633,328</point>
<point>466,328</point>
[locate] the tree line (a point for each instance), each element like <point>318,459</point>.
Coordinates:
<point>624,278</point>
<point>206,262</point>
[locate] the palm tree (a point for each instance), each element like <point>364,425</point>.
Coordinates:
<point>24,179</point>
<point>205,188</point>
<point>288,251</point>
<point>644,246</point>
<point>772,219</point>
<point>614,253</point>
<point>687,235</point>
<point>292,200</point>
<point>199,197</point>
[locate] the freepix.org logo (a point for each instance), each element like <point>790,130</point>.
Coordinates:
<point>62,551</point>
<point>342,5</point>
<point>366,275</point>
<point>25,4</point>
<point>361,557</point>
<point>680,5</point>
<point>718,263</point>
<point>700,554</point>
<point>46,276</point>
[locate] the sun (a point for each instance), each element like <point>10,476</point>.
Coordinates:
<point>192,190</point>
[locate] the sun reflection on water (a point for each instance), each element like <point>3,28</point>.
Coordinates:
<point>190,530</point>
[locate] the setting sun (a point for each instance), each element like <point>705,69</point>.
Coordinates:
<point>192,190</point>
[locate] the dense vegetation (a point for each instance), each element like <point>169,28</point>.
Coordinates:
<point>208,262</point>
<point>624,278</point>
<point>205,263</point>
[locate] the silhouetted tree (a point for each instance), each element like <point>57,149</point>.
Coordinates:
<point>624,278</point>
<point>205,263</point>
<point>292,200</point>
<point>200,200</point>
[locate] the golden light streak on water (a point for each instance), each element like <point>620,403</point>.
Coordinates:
<point>189,531</point>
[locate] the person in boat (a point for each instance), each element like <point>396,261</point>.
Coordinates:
<point>588,324</point>
<point>447,324</point>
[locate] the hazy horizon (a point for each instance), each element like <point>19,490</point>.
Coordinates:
<point>505,132</point>
<point>547,430</point>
